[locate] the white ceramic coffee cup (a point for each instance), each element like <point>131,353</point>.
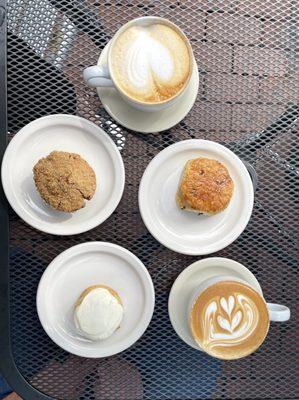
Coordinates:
<point>102,76</point>
<point>277,312</point>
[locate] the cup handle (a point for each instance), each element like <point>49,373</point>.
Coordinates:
<point>278,312</point>
<point>97,76</point>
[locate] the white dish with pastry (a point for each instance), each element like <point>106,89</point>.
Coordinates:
<point>196,197</point>
<point>63,174</point>
<point>95,299</point>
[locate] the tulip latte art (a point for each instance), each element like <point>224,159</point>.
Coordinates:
<point>150,63</point>
<point>229,320</point>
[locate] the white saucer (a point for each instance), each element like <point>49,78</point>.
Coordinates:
<point>186,232</point>
<point>147,122</point>
<point>85,265</point>
<point>66,133</point>
<point>186,283</point>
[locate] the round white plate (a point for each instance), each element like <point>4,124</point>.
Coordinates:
<point>85,265</point>
<point>66,133</point>
<point>186,232</point>
<point>147,122</point>
<point>187,282</point>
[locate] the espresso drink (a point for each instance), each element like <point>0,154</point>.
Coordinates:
<point>150,63</point>
<point>229,320</point>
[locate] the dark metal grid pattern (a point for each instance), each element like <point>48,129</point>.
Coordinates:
<point>247,98</point>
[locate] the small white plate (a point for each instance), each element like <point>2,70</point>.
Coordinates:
<point>85,265</point>
<point>186,232</point>
<point>187,282</point>
<point>66,133</point>
<point>147,122</point>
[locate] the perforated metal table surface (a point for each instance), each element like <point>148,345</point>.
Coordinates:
<point>248,101</point>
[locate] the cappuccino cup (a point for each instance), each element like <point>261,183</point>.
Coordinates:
<point>229,319</point>
<point>149,63</point>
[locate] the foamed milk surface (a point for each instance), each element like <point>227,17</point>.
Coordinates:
<point>228,322</point>
<point>99,314</point>
<point>150,63</point>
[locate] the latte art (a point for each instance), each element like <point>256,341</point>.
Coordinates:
<point>150,63</point>
<point>229,320</point>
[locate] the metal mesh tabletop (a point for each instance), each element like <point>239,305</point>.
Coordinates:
<point>247,100</point>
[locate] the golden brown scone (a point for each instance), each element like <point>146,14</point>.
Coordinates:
<point>205,187</point>
<point>90,288</point>
<point>64,180</point>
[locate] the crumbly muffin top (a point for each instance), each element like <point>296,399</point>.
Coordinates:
<point>64,180</point>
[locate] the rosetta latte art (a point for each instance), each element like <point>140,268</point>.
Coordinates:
<point>229,321</point>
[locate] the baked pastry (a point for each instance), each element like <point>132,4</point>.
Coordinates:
<point>64,180</point>
<point>90,288</point>
<point>205,187</point>
<point>98,312</point>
